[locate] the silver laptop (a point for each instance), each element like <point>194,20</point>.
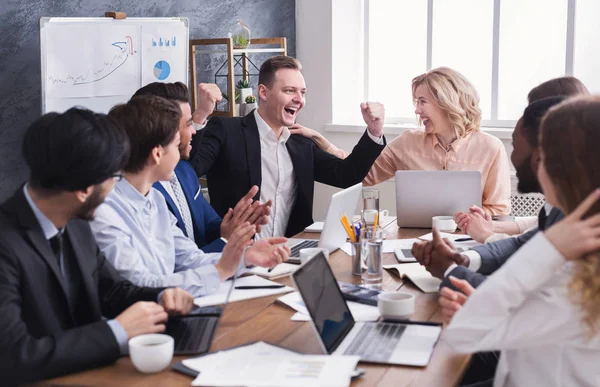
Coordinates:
<point>333,235</point>
<point>421,195</point>
<point>338,333</point>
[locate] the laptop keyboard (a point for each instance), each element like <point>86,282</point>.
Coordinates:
<point>376,342</point>
<point>303,245</point>
<point>192,334</point>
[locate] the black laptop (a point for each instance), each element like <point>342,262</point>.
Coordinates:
<point>194,332</point>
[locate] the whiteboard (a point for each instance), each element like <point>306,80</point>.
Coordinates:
<point>99,62</point>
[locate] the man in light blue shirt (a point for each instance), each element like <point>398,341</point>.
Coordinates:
<point>56,286</point>
<point>135,229</point>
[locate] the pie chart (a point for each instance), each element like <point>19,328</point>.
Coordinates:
<point>162,69</point>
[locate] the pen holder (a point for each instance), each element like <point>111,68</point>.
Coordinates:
<point>356,261</point>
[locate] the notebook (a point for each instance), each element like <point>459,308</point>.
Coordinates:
<point>279,271</point>
<point>417,274</point>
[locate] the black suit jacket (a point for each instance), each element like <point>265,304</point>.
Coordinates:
<point>228,152</point>
<point>493,255</point>
<point>42,335</point>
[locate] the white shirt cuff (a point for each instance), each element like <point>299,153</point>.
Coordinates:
<point>224,240</point>
<point>474,260</point>
<point>376,140</point>
<point>449,269</point>
<point>120,335</point>
<point>496,237</point>
<point>199,127</point>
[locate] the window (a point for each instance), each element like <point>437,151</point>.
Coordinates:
<point>504,47</point>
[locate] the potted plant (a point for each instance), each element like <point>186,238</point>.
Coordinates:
<point>240,35</point>
<point>250,104</point>
<point>245,90</point>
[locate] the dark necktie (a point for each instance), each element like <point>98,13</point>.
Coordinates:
<point>542,219</point>
<point>62,250</point>
<point>56,244</point>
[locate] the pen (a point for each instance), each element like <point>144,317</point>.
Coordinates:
<point>463,239</point>
<point>260,287</point>
<point>411,322</point>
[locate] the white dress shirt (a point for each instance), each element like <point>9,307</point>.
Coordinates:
<point>525,310</point>
<point>278,178</point>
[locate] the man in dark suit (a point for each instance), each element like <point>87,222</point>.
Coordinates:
<point>195,217</point>
<point>258,149</point>
<point>55,286</point>
<point>442,260</point>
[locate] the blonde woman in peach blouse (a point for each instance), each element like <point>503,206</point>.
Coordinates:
<point>447,106</point>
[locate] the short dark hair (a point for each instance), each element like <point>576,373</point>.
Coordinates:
<point>149,121</point>
<point>563,86</point>
<point>172,91</point>
<point>73,150</point>
<point>532,117</point>
<point>266,75</point>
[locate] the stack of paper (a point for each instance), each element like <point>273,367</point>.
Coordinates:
<point>360,312</point>
<point>262,364</point>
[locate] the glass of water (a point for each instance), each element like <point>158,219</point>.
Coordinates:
<point>370,210</point>
<point>371,240</point>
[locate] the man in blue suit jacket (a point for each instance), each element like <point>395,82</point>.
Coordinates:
<point>195,217</point>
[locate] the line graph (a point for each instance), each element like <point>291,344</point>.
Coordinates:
<point>124,51</point>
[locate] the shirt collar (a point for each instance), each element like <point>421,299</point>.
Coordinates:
<point>548,207</point>
<point>454,145</point>
<point>136,200</point>
<point>266,132</point>
<point>47,226</point>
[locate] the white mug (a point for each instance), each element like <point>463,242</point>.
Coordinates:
<point>151,352</point>
<point>306,254</point>
<point>444,223</point>
<point>396,305</point>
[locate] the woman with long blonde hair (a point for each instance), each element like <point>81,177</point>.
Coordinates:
<point>542,308</point>
<point>447,106</point>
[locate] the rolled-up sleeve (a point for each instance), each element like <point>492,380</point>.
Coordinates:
<point>496,190</point>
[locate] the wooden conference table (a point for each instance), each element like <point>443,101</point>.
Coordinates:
<point>264,319</point>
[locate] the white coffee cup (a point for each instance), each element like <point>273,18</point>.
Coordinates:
<point>444,223</point>
<point>396,305</point>
<point>306,254</point>
<point>151,353</point>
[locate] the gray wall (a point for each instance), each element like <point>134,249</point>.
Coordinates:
<point>20,101</point>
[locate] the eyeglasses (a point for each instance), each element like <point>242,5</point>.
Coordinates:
<point>117,176</point>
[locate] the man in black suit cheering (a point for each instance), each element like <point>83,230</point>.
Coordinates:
<point>55,286</point>
<point>258,149</point>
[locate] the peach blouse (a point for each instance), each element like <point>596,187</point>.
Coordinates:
<point>479,151</point>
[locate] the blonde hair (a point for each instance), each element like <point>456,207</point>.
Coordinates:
<point>453,93</point>
<point>569,135</point>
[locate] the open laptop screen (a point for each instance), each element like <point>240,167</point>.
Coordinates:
<point>324,301</point>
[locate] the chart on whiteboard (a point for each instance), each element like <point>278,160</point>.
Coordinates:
<point>164,54</point>
<point>86,62</point>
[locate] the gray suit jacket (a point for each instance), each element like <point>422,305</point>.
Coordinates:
<point>494,255</point>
